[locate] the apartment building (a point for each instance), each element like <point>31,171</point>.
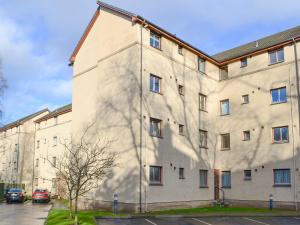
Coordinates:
<point>52,132</point>
<point>189,128</point>
<point>16,150</point>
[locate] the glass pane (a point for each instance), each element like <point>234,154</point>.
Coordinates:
<point>280,55</point>
<point>224,107</point>
<point>282,95</point>
<point>275,96</point>
<point>277,134</point>
<point>273,58</point>
<point>285,134</point>
<point>151,83</point>
<point>156,84</point>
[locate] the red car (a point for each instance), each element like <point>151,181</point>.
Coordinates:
<point>41,195</point>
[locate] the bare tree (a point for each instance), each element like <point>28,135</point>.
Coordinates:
<point>85,163</point>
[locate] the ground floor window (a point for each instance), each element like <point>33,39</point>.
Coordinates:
<point>155,174</point>
<point>203,178</point>
<point>282,177</point>
<point>226,179</point>
<point>247,175</point>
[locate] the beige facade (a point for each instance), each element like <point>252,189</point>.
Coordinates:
<point>52,132</point>
<point>17,149</point>
<point>111,85</point>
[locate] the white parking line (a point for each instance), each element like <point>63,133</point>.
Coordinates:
<point>256,221</point>
<point>201,221</point>
<point>297,218</point>
<point>150,222</point>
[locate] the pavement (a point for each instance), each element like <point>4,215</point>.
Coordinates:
<point>23,214</point>
<point>203,221</point>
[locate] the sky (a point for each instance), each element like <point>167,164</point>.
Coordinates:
<point>37,38</point>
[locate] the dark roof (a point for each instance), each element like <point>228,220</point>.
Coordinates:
<point>260,44</point>
<point>57,112</point>
<point>22,120</point>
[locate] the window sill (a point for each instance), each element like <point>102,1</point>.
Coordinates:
<point>282,185</point>
<point>225,114</point>
<point>151,135</point>
<point>271,64</point>
<point>181,178</point>
<point>243,66</point>
<point>280,143</point>
<point>278,103</point>
<point>156,48</point>
<point>203,110</point>
<point>204,147</point>
<point>225,149</point>
<point>181,135</point>
<point>246,140</point>
<point>227,187</point>
<point>202,187</point>
<point>247,179</point>
<point>155,184</point>
<point>156,92</point>
<point>244,103</point>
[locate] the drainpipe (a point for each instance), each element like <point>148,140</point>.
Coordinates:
<point>141,119</point>
<point>298,98</point>
<point>18,155</point>
<point>33,157</point>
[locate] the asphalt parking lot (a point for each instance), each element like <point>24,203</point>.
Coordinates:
<point>204,221</point>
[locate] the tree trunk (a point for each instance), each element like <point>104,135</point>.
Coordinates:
<point>76,210</point>
<point>70,208</point>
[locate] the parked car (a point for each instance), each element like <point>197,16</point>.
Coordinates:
<point>15,195</point>
<point>41,195</point>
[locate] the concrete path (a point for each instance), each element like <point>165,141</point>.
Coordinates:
<point>23,214</point>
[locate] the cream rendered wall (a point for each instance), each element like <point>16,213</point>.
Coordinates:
<point>108,94</point>
<point>259,116</point>
<point>45,172</point>
<point>174,151</point>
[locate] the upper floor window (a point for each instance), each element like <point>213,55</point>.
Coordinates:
<point>54,161</point>
<point>38,144</point>
<point>224,73</point>
<point>247,175</point>
<point>181,89</point>
<point>282,177</point>
<point>54,140</point>
<point>16,147</point>
<point>226,179</point>
<point>246,135</point>
<point>225,141</point>
<point>224,107</point>
<point>155,175</point>
<point>279,95</point>
<point>203,178</point>
<point>280,134</point>
<point>180,50</point>
<point>201,64</point>
<point>155,83</point>
<point>155,40</point>
<point>245,99</point>
<point>244,62</point>
<point>181,173</point>
<point>181,129</point>
<point>203,138</point>
<point>55,120</point>
<point>276,56</point>
<point>202,102</point>
<point>155,127</point>
<point>37,162</point>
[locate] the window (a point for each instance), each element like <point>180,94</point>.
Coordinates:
<point>226,179</point>
<point>247,175</point>
<point>224,73</point>
<point>155,40</point>
<point>53,182</point>
<point>55,120</point>
<point>203,139</point>
<point>180,89</point>
<point>39,126</point>
<point>155,83</point>
<point>181,173</point>
<point>246,135</point>
<point>155,127</point>
<point>244,62</point>
<point>38,144</point>
<point>203,178</point>
<point>201,64</point>
<point>16,147</point>
<point>36,182</point>
<point>155,174</point>
<point>180,50</point>
<point>54,161</point>
<point>279,95</point>
<point>55,141</point>
<point>276,56</point>
<point>245,99</point>
<point>282,177</point>
<point>224,107</point>
<point>280,134</point>
<point>45,141</point>
<point>202,102</point>
<point>37,162</point>
<point>225,141</point>
<point>181,129</point>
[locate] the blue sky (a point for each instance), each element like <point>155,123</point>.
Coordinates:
<point>37,38</point>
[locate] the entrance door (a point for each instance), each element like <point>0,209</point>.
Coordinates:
<point>217,184</point>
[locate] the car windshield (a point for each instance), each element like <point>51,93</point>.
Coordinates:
<point>15,190</point>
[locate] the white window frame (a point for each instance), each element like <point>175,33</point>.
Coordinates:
<point>201,64</point>
<point>154,80</point>
<point>202,102</point>
<point>155,131</point>
<point>276,52</point>
<point>203,138</point>
<point>155,40</point>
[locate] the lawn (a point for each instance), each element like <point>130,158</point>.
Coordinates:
<point>61,217</point>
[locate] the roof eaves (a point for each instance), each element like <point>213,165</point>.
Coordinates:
<point>57,112</point>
